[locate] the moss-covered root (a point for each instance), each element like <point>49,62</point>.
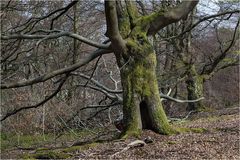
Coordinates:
<point>137,133</point>
<point>178,130</point>
<point>169,131</point>
<point>46,155</point>
<point>130,133</point>
<point>160,124</point>
<point>194,130</point>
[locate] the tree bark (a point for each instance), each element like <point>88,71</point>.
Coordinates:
<point>142,108</point>
<point>194,85</point>
<point>129,34</point>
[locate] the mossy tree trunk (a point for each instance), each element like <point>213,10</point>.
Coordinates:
<point>142,108</point>
<point>129,34</point>
<point>194,85</point>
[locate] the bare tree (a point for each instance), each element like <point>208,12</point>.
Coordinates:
<point>129,36</point>
<point>188,61</point>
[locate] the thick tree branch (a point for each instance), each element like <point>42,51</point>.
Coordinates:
<point>161,19</point>
<point>53,36</point>
<point>112,27</point>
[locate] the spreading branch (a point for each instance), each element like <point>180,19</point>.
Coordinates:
<point>210,18</point>
<point>54,36</point>
<point>36,20</point>
<point>102,88</point>
<point>209,68</point>
<point>50,75</point>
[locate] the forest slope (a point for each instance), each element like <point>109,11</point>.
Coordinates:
<point>217,137</point>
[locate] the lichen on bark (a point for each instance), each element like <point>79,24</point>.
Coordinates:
<point>195,89</point>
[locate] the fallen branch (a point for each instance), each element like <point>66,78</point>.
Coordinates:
<point>134,144</point>
<point>178,100</point>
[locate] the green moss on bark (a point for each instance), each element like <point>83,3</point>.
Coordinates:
<point>194,130</point>
<point>124,27</point>
<point>195,89</point>
<point>164,128</point>
<point>139,82</point>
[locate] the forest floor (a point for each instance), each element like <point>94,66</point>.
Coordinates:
<point>217,137</point>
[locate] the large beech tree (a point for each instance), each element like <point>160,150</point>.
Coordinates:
<point>130,38</point>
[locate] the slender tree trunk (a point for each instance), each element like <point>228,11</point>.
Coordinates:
<point>194,85</point>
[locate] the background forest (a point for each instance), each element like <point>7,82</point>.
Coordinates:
<point>197,59</point>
